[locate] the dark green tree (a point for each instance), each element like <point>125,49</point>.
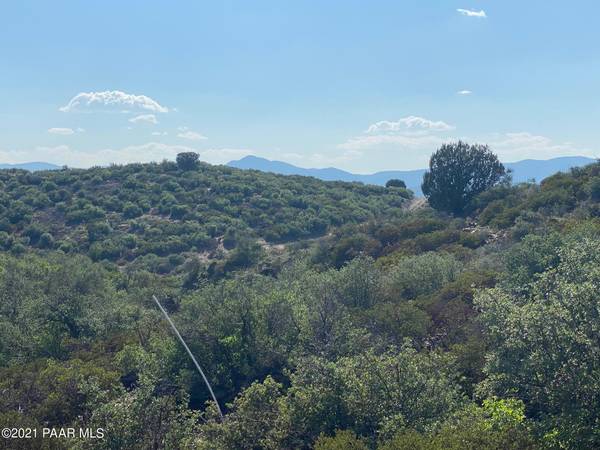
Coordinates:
<point>458,172</point>
<point>187,160</point>
<point>395,182</point>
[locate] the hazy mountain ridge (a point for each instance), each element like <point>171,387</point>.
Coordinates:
<point>31,166</point>
<point>522,170</point>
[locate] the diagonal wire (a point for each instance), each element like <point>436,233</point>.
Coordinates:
<point>191,355</point>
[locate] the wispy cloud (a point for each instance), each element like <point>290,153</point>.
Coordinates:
<point>112,101</point>
<point>186,133</point>
<point>192,136</point>
<point>410,132</point>
<point>148,152</point>
<point>464,92</point>
<point>61,131</point>
<point>224,155</point>
<point>425,142</point>
<point>64,154</point>
<point>320,159</point>
<point>522,145</point>
<point>144,118</point>
<point>471,13</point>
<point>159,133</point>
<point>419,137</point>
<point>407,124</point>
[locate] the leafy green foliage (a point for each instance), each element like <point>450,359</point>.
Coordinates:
<point>375,393</point>
<point>343,440</point>
<point>187,160</point>
<point>497,425</point>
<point>378,326</point>
<point>561,195</point>
<point>543,343</point>
<point>396,183</point>
<point>458,172</point>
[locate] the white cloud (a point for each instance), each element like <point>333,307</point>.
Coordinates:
<point>412,139</point>
<point>524,145</point>
<point>61,131</point>
<point>421,141</point>
<point>63,154</point>
<point>148,152</point>
<point>186,133</point>
<point>321,159</point>
<point>407,124</point>
<point>325,159</point>
<point>464,92</point>
<point>112,101</point>
<point>159,133</point>
<point>292,156</point>
<point>412,132</point>
<point>508,146</point>
<point>224,155</point>
<point>144,118</point>
<point>471,13</point>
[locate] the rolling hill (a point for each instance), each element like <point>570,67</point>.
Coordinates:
<point>139,212</point>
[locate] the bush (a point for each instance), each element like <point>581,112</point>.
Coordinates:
<point>131,211</point>
<point>432,241</point>
<point>459,172</point>
<point>178,211</point>
<point>394,182</point>
<point>46,241</point>
<point>18,249</point>
<point>420,275</point>
<point>6,240</point>
<point>343,440</point>
<point>187,160</point>
<point>97,231</point>
<point>594,188</point>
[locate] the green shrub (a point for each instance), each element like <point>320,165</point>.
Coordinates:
<point>46,241</point>
<point>131,210</point>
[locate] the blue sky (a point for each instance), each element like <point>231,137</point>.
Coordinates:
<point>363,86</point>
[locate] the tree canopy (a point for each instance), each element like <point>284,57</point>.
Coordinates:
<point>458,172</point>
<point>187,160</point>
<point>395,182</point>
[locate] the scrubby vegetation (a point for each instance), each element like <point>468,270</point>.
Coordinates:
<point>160,215</point>
<point>383,327</point>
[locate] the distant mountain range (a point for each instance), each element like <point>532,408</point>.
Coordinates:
<point>32,166</point>
<point>525,170</point>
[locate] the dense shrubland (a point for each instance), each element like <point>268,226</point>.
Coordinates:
<point>389,328</point>
<point>154,211</point>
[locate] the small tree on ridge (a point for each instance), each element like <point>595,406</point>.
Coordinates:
<point>187,160</point>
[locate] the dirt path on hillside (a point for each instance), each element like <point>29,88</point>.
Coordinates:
<point>417,203</point>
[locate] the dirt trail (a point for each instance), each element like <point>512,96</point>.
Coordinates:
<point>417,203</point>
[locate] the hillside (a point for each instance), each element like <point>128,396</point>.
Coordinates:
<point>152,211</point>
<point>522,170</point>
<point>385,328</point>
